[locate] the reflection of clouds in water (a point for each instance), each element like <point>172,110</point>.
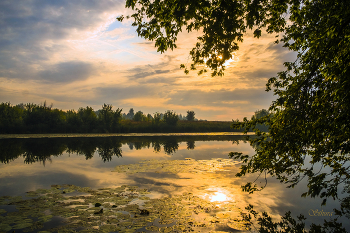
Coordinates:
<point>219,188</point>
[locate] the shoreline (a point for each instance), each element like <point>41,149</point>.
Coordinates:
<point>77,135</point>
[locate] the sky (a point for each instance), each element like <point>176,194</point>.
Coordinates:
<point>75,54</point>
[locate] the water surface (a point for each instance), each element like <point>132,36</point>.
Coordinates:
<point>38,163</point>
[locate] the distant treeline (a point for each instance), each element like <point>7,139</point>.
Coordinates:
<point>32,118</point>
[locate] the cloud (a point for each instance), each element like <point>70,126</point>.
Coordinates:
<point>145,71</point>
<point>74,53</point>
<point>118,93</point>
<point>281,53</point>
<point>67,72</point>
<point>159,80</point>
<point>156,71</point>
<point>256,74</point>
<point>222,97</point>
<point>35,33</point>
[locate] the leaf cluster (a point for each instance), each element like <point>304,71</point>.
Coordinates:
<point>309,132</point>
<point>222,23</point>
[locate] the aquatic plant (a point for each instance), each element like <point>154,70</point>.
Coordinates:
<point>122,209</point>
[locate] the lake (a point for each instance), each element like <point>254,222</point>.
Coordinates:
<point>138,184</point>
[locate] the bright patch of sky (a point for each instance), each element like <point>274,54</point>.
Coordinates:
<point>74,54</point>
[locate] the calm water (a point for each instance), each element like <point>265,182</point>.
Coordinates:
<point>31,164</point>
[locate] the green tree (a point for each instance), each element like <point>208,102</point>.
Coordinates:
<point>149,117</point>
<point>139,116</point>
<point>312,107</point>
<point>73,122</point>
<point>57,120</point>
<point>190,115</point>
<point>106,117</point>
<point>117,117</point>
<point>43,119</point>
<point>88,119</point>
<point>260,114</point>
<point>11,118</point>
<point>170,118</point>
<point>311,112</point>
<point>130,114</point>
<point>156,118</point>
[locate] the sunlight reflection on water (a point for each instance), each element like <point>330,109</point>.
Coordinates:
<point>220,187</point>
<point>218,197</point>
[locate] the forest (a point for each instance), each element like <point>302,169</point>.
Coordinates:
<point>43,118</point>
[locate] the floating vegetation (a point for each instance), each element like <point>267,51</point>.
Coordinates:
<point>177,166</point>
<point>114,210</point>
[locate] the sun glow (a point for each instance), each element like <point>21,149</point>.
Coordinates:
<point>218,196</point>
<point>226,63</point>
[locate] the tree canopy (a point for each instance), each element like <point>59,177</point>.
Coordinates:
<point>190,115</point>
<point>310,116</point>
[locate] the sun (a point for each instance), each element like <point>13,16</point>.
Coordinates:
<point>226,63</point>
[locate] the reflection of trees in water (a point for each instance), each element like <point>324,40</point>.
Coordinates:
<point>138,145</point>
<point>85,147</point>
<point>42,149</point>
<point>156,146</point>
<point>131,145</point>
<point>170,146</point>
<point>10,150</point>
<point>142,144</point>
<point>190,145</point>
<point>108,148</point>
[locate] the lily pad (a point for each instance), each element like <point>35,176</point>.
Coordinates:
<point>22,225</point>
<point>45,218</point>
<point>5,227</point>
<point>125,209</point>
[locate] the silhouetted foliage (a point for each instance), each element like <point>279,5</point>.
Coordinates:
<point>289,224</point>
<point>190,115</point>
<point>88,119</point>
<point>109,120</point>
<point>258,115</point>
<point>171,118</point>
<point>43,119</point>
<point>32,118</point>
<point>106,117</point>
<point>11,118</point>
<point>310,120</point>
<point>139,116</point>
<point>73,123</point>
<point>311,111</point>
<point>130,114</point>
<point>156,118</point>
